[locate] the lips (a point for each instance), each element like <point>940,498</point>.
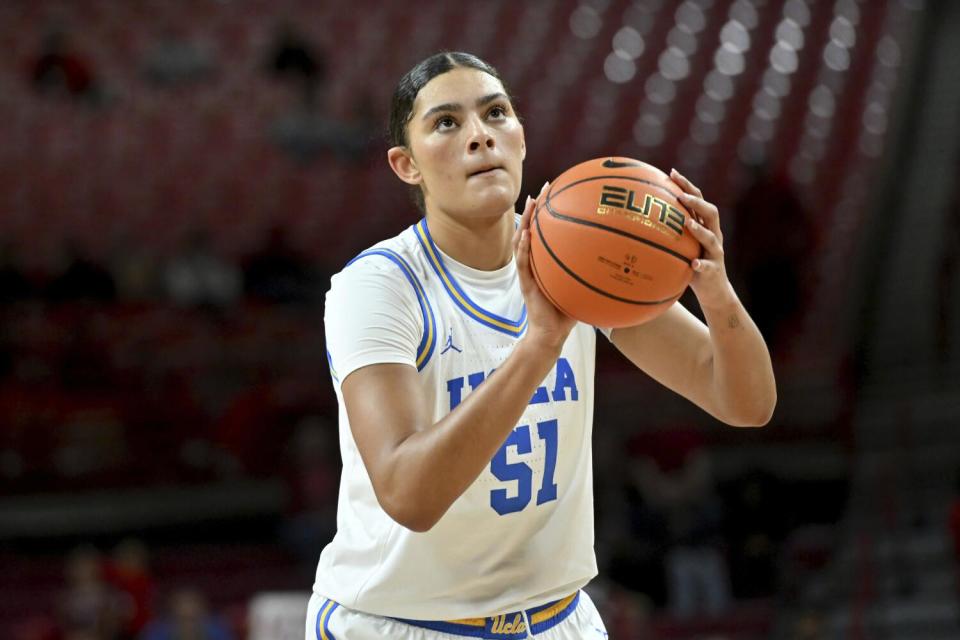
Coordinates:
<point>485,170</point>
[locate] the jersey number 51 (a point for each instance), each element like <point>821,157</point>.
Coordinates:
<point>521,473</point>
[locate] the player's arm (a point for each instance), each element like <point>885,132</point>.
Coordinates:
<point>419,468</point>
<point>724,366</point>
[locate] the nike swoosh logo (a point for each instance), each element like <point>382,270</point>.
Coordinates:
<point>613,164</point>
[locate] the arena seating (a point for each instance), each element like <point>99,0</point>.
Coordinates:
<point>704,85</point>
<point>591,78</point>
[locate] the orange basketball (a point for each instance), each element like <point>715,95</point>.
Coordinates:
<point>608,242</point>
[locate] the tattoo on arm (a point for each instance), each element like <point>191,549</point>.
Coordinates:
<point>733,321</point>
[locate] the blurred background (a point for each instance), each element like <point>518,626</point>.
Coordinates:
<point>178,180</point>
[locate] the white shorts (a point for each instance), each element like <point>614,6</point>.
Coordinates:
<point>573,618</point>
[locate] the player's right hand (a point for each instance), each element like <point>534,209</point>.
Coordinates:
<point>546,325</point>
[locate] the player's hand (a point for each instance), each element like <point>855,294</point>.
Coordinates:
<point>710,283</point>
<point>546,324</point>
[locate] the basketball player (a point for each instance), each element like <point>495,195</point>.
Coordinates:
<point>466,398</point>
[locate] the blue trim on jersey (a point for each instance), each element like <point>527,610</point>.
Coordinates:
<point>326,623</point>
<point>429,340</point>
<point>323,619</point>
<point>513,328</point>
<point>485,627</point>
<point>333,372</point>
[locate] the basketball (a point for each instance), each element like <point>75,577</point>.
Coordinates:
<point>608,242</point>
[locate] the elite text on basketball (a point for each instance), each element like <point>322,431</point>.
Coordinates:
<point>625,200</point>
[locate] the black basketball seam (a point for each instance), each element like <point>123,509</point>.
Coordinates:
<point>620,232</point>
<point>576,277</point>
<point>536,276</point>
<point>551,194</point>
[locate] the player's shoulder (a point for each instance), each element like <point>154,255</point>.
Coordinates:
<point>392,260</point>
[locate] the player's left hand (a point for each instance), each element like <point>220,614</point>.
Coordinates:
<point>710,283</point>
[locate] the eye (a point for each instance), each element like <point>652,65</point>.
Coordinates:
<point>497,112</point>
<point>444,122</point>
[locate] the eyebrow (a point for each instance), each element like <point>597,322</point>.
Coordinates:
<point>456,106</point>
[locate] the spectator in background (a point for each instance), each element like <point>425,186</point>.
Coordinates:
<point>89,605</point>
<point>308,130</point>
<point>775,276</point>
<point>82,279</point>
<point>176,59</point>
<point>627,613</point>
<point>61,71</point>
<point>312,470</point>
<point>756,527</point>
<point>277,272</point>
<point>197,276</point>
<point>129,572</point>
<point>188,619</point>
<point>292,56</point>
<point>634,537</point>
<point>675,476</point>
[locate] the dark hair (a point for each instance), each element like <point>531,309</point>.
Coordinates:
<point>401,105</point>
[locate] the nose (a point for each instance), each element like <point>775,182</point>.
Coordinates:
<point>479,135</point>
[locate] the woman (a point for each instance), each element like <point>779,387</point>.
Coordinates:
<point>466,509</point>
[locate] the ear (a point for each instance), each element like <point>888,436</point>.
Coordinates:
<point>401,161</point>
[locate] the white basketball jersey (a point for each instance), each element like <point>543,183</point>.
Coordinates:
<point>522,534</point>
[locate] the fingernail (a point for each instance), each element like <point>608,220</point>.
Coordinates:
<point>696,265</point>
<point>545,185</point>
<point>673,172</point>
<point>527,203</point>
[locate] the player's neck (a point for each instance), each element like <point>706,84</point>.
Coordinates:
<point>483,244</point>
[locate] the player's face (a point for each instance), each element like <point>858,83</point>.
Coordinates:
<point>466,144</point>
